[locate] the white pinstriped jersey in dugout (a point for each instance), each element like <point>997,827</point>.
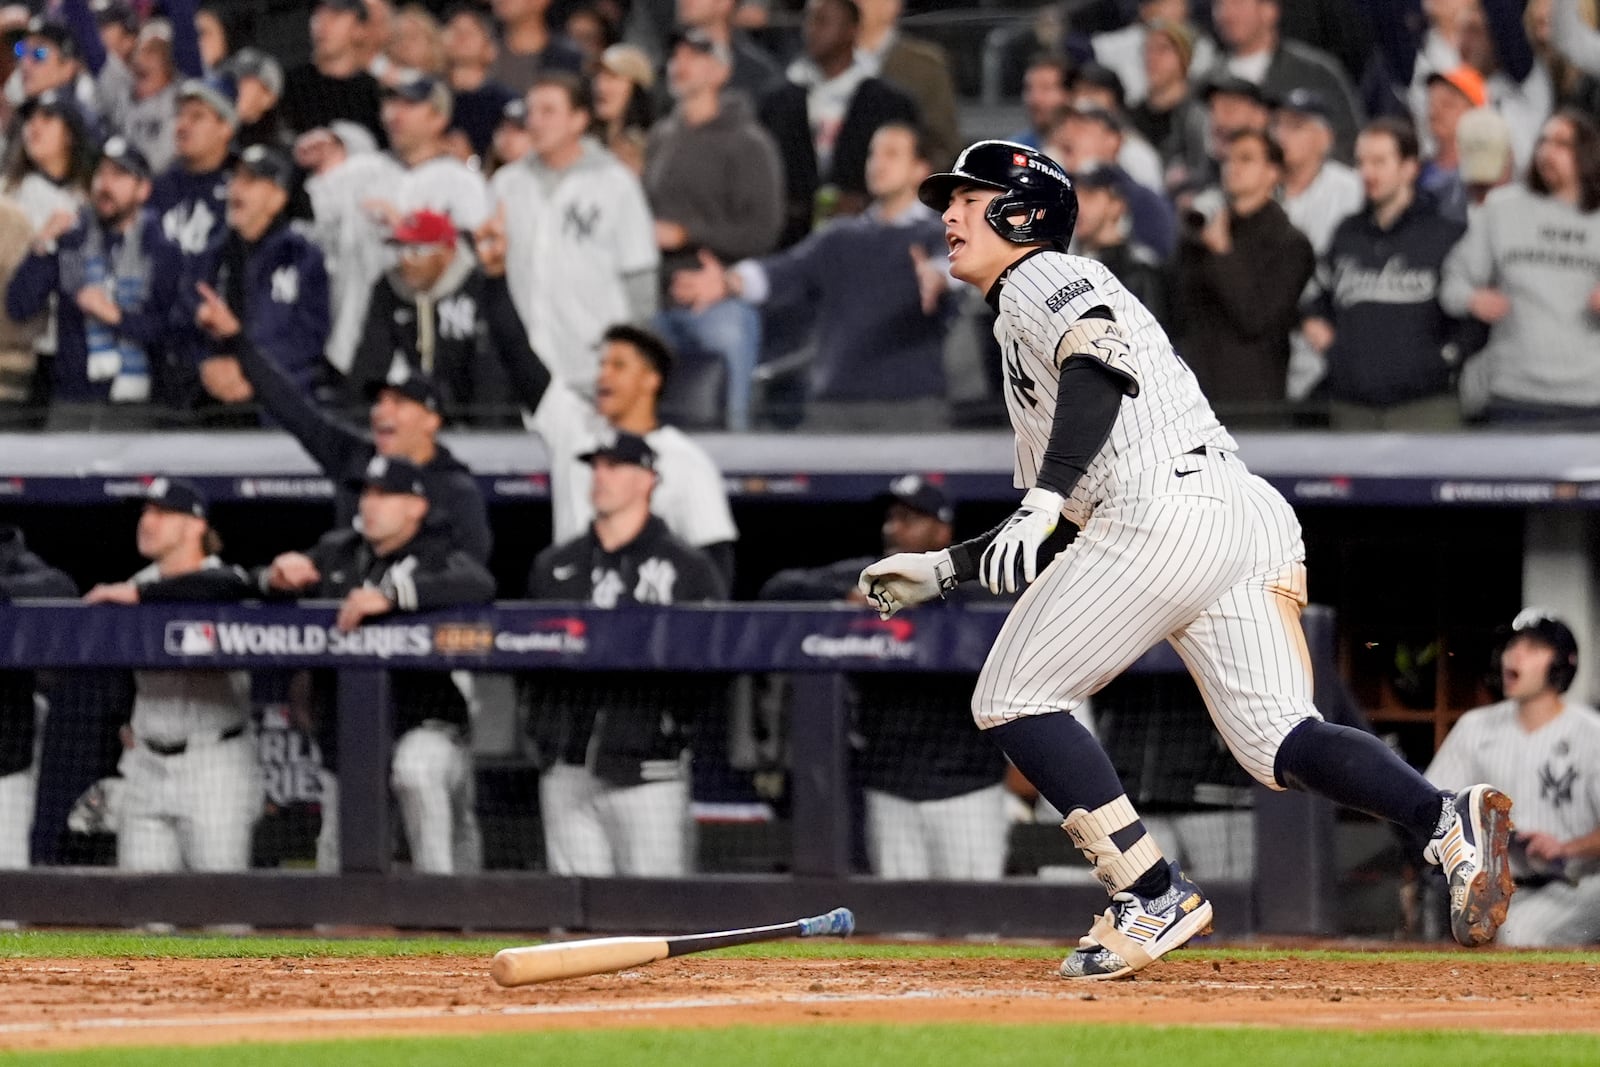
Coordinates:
<point>1164,415</point>
<point>1553,773</point>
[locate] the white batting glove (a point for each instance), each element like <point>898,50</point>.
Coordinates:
<point>906,578</point>
<point>1012,559</point>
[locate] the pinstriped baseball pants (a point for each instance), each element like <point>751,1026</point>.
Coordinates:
<point>1197,551</point>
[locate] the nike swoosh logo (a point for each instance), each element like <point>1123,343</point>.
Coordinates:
<point>1184,474</point>
<point>561,574</point>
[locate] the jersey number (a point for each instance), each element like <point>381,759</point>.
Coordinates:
<point>1021,385</point>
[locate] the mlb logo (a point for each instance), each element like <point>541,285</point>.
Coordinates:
<point>191,639</point>
<point>1018,159</point>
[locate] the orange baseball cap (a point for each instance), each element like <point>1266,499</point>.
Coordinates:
<point>1466,81</point>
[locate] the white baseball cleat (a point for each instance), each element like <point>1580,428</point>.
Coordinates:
<point>1471,845</point>
<point>1136,931</point>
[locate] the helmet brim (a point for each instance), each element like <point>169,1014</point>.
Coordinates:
<point>937,189</point>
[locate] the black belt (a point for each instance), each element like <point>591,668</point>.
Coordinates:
<point>178,748</point>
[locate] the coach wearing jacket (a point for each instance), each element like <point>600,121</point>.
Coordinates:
<point>396,563</point>
<point>272,279</point>
<point>614,793</point>
<point>430,313</point>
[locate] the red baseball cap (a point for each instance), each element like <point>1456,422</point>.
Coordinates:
<point>425,228</point>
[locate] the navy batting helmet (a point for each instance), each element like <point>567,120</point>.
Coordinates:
<point>1549,630</point>
<point>1031,184</point>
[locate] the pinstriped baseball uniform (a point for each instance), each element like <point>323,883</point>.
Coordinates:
<point>1554,774</point>
<point>1179,541</point>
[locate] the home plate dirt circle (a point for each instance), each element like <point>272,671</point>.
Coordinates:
<point>73,1003</point>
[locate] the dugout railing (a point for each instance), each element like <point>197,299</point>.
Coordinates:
<point>1290,892</point>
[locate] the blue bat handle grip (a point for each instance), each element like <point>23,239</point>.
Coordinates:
<point>837,923</point>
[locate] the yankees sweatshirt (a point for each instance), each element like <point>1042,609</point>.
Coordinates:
<point>1545,256</point>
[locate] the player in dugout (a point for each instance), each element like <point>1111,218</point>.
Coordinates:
<point>404,422</point>
<point>933,784</point>
<point>613,746</point>
<point>396,562</point>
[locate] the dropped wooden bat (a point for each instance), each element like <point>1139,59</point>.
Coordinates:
<point>573,959</point>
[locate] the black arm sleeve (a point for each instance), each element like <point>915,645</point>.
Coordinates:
<point>529,376</point>
<point>333,445</point>
<point>1087,399</point>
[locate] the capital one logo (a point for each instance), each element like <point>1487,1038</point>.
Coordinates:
<point>877,639</point>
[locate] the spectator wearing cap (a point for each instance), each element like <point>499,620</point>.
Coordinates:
<point>714,181</point>
<point>879,358</point>
<point>527,45</point>
<point>511,138</point>
<point>1526,269</point>
<point>431,314</point>
<point>1105,233</point>
<point>1451,94</point>
<point>191,781</point>
<point>1256,52</point>
<point>591,32</point>
<point>1318,193</point>
<point>823,118</point>
<point>624,107</point>
<point>1089,136</point>
<point>47,168</point>
<point>114,277</point>
<point>150,118</point>
<point>1170,116</point>
<point>753,70</point>
<point>267,281</point>
<point>469,52</point>
<point>49,60</point>
<point>1374,315</point>
<point>259,78</point>
<point>935,805</point>
<point>1233,105</point>
<point>119,27</point>
<point>1236,317</point>
<point>1097,87</point>
<point>635,367</point>
<point>580,240</point>
<point>395,561</point>
<point>1044,94</point>
<point>416,113</point>
<point>613,788</point>
<point>142,110</point>
<point>1124,50</point>
<point>191,195</point>
<point>335,84</point>
<point>918,68</point>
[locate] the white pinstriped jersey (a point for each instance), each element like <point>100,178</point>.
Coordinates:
<point>1164,414</point>
<point>1552,774</point>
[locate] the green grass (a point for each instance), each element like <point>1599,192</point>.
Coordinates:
<point>51,944</point>
<point>874,1045</point>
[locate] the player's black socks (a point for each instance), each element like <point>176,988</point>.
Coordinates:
<point>1070,770</point>
<point>1354,768</point>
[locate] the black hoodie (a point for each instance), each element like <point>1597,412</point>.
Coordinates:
<point>1392,343</point>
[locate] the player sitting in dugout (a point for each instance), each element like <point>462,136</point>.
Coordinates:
<point>396,562</point>
<point>933,784</point>
<point>613,746</point>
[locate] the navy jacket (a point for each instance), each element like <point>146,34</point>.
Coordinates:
<point>39,275</point>
<point>286,314</point>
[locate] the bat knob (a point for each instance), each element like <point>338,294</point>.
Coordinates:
<point>840,922</point>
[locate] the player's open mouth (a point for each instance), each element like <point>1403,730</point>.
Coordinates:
<point>383,431</point>
<point>956,244</point>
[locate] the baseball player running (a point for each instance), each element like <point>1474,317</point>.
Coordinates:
<point>1176,541</point>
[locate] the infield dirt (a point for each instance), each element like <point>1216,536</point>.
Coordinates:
<point>77,1002</point>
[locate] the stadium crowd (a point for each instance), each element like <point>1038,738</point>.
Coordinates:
<point>610,222</point>
<point>1377,215</point>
